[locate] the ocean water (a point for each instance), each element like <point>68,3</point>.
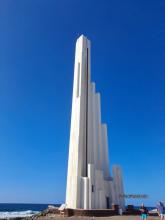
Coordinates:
<point>149,208</point>
<point>10,210</point>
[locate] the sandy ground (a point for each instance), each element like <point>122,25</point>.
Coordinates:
<point>96,218</point>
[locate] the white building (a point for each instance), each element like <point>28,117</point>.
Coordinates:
<point>89,184</point>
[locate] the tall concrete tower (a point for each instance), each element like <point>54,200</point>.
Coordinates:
<point>89,184</point>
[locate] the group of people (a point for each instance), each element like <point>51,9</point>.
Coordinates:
<point>160,210</point>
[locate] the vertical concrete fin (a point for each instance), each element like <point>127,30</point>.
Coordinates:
<point>118,186</point>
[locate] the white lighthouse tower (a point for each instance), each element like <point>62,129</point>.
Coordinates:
<point>89,183</point>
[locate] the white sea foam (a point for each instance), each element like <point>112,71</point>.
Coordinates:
<point>21,214</point>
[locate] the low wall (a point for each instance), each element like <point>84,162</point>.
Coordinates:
<point>95,212</point>
<point>130,210</point>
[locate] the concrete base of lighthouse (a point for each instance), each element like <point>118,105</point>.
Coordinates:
<point>114,210</point>
<point>98,193</point>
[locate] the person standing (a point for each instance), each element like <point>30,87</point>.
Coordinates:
<point>144,212</point>
<point>161,210</point>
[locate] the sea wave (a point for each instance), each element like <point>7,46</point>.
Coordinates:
<point>21,214</point>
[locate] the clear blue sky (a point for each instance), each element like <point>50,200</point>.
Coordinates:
<point>37,42</point>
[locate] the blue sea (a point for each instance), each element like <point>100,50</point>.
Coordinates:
<point>10,210</point>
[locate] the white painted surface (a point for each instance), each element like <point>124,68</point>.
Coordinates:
<point>88,179</point>
<point>118,186</point>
